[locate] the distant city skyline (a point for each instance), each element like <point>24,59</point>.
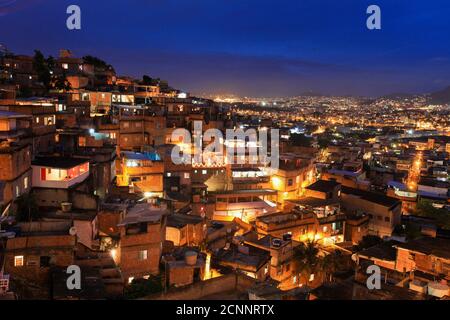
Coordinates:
<point>252,48</point>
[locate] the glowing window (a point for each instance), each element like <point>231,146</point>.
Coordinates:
<point>18,261</point>
<point>142,255</point>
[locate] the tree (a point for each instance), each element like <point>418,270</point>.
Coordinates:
<point>368,241</point>
<point>300,140</point>
<point>306,259</point>
<point>61,83</point>
<point>425,208</point>
<point>97,63</point>
<point>27,208</point>
<point>40,66</point>
<point>332,263</point>
<point>143,287</point>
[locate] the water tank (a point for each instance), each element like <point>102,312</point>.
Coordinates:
<point>66,206</point>
<point>287,237</point>
<point>276,242</point>
<point>73,231</point>
<point>190,257</point>
<point>437,289</point>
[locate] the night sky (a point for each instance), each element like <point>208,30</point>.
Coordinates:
<point>248,47</point>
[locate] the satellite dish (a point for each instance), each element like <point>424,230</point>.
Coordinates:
<point>73,231</point>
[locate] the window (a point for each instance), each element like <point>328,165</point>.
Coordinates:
<point>311,277</point>
<point>44,261</point>
<point>65,66</point>
<point>130,280</point>
<point>143,255</point>
<point>37,119</point>
<point>17,191</point>
<point>290,182</point>
<point>387,219</point>
<point>18,261</point>
<point>325,229</point>
<point>25,183</point>
<point>204,171</point>
<point>187,175</point>
<point>126,124</point>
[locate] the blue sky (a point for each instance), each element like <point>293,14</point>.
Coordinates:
<point>249,47</point>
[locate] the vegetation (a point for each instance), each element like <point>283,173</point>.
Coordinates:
<point>410,230</point>
<point>300,140</point>
<point>368,241</point>
<point>27,208</point>
<point>143,287</point>
<point>42,67</point>
<point>426,209</point>
<point>61,83</point>
<point>148,81</point>
<point>307,261</point>
<point>97,63</point>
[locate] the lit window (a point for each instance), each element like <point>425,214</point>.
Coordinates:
<point>37,119</point>
<point>169,174</point>
<point>311,277</point>
<point>25,183</point>
<point>325,229</point>
<point>18,261</point>
<point>130,280</point>
<point>143,255</point>
<point>17,191</point>
<point>65,66</point>
<point>186,175</point>
<point>204,171</point>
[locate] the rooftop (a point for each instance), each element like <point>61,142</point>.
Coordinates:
<point>58,162</point>
<point>144,212</point>
<point>438,247</point>
<point>377,198</point>
<point>180,220</point>
<point>323,185</point>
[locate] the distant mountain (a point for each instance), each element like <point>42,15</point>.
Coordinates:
<point>440,97</point>
<point>398,95</point>
<point>312,94</point>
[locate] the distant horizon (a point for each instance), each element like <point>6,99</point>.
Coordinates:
<point>256,49</point>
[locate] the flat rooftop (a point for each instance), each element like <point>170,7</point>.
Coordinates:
<point>374,197</point>
<point>58,162</point>
<point>438,247</point>
<point>323,185</point>
<point>181,220</point>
